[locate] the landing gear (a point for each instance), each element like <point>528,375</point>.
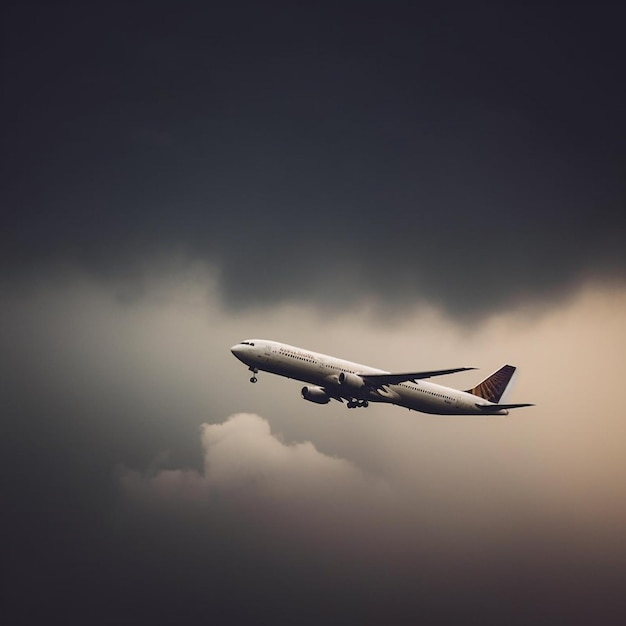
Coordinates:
<point>254,371</point>
<point>357,404</point>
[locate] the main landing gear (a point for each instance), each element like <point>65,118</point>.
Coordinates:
<point>357,404</point>
<point>254,371</point>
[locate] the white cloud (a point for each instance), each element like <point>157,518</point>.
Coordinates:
<point>289,489</point>
<point>242,450</point>
<point>242,453</point>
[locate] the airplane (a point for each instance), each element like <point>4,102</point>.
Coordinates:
<point>330,378</point>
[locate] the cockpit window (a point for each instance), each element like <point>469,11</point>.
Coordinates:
<point>247,343</point>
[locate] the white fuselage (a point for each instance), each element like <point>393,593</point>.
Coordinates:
<point>324,371</point>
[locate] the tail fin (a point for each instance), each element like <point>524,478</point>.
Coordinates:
<point>494,387</point>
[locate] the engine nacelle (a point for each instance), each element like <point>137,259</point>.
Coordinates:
<point>315,394</point>
<point>351,381</point>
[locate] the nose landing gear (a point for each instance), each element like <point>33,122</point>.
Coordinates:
<point>254,371</point>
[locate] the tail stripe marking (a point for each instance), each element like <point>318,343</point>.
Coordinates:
<point>492,388</point>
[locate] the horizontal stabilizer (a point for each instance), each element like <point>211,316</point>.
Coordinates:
<point>497,407</point>
<point>393,379</point>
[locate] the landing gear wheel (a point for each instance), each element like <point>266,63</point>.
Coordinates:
<point>357,404</point>
<point>254,371</point>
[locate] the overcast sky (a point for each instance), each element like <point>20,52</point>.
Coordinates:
<point>411,189</point>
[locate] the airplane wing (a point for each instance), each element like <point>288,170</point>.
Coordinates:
<point>377,380</point>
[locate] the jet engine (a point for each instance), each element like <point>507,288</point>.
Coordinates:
<point>315,394</point>
<point>351,381</point>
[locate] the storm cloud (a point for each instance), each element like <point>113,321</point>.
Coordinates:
<point>470,158</point>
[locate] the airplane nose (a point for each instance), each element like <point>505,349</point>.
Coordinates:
<point>238,351</point>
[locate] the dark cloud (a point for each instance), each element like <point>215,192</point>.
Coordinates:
<point>469,157</point>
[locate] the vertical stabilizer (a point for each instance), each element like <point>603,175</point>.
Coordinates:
<point>494,387</point>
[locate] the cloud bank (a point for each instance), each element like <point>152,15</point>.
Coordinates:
<point>310,513</point>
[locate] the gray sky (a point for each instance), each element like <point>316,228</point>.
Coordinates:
<point>411,190</point>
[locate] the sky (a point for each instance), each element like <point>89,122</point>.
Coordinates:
<point>409,188</point>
